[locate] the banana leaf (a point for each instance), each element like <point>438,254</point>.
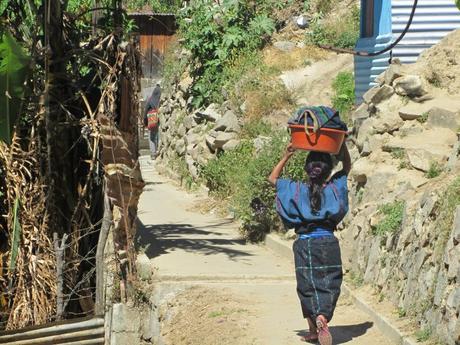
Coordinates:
<point>14,68</point>
<point>3,6</point>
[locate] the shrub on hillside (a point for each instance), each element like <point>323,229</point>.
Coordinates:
<point>215,34</point>
<point>344,93</point>
<point>340,32</point>
<point>241,177</point>
<point>250,81</point>
<point>391,222</point>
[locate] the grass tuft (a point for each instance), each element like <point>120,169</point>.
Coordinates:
<point>344,94</point>
<point>393,214</point>
<point>434,171</point>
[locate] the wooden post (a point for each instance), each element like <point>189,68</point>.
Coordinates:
<point>60,262</point>
<point>103,234</point>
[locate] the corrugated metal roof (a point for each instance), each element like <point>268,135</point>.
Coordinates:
<point>433,20</point>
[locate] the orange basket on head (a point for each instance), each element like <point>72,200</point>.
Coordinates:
<point>323,140</point>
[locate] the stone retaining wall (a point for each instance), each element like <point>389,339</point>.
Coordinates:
<point>406,133</point>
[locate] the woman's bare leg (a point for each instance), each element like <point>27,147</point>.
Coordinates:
<point>312,335</point>
<point>311,326</point>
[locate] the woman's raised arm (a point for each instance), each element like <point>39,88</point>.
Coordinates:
<point>345,158</point>
<point>276,172</point>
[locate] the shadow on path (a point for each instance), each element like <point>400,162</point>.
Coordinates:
<point>344,334</point>
<point>160,239</point>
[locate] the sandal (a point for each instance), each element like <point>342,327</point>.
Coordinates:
<point>324,336</point>
<point>310,337</point>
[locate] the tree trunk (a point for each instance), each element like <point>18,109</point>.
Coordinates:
<point>59,162</point>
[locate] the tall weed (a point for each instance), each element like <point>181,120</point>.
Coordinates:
<point>344,93</point>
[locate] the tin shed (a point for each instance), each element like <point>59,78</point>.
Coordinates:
<point>382,21</point>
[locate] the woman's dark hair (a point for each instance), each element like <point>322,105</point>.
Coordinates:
<point>318,167</point>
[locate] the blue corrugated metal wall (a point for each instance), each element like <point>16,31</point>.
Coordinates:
<point>367,68</point>
<point>433,20</point>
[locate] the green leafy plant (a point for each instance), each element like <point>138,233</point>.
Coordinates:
<point>423,118</point>
<point>400,153</point>
<point>356,278</point>
<point>220,173</point>
<point>359,195</point>
<point>341,33</point>
<point>3,6</point>
<point>401,312</point>
<point>240,177</point>
<point>434,170</point>
<point>214,35</point>
<point>157,6</point>
<point>393,214</point>
<point>423,335</point>
<point>255,127</point>
<point>14,68</point>
<point>344,93</point>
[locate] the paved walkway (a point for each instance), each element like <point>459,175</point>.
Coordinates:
<point>188,247</point>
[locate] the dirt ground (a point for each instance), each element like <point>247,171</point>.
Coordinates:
<point>440,64</point>
<point>207,317</point>
<point>215,315</point>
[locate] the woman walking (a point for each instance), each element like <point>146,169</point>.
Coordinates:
<point>315,209</point>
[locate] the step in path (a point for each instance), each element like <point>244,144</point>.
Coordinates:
<point>189,248</point>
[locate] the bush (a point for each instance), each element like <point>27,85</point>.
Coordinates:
<point>169,6</point>
<point>393,214</point>
<point>255,127</point>
<point>341,33</point>
<point>220,173</point>
<point>240,176</point>
<point>344,93</point>
<point>215,35</point>
<point>434,170</point>
<point>250,81</point>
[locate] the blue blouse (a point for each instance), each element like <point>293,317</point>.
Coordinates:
<point>293,202</point>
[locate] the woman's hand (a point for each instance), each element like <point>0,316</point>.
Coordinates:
<point>279,167</point>
<point>289,151</point>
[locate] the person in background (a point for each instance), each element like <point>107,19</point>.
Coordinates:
<point>152,120</point>
<point>315,209</point>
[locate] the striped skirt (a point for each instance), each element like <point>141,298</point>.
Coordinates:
<point>319,275</point>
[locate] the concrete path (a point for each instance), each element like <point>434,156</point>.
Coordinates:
<point>190,248</point>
